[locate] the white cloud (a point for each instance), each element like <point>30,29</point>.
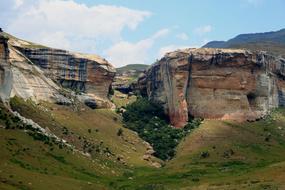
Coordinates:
<point>67,24</point>
<point>203,29</point>
<point>57,39</point>
<point>160,33</point>
<point>124,52</point>
<point>7,11</point>
<point>182,36</point>
<point>18,3</point>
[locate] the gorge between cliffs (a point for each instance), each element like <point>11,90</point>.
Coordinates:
<point>197,118</point>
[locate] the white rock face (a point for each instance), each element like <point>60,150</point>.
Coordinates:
<point>31,71</point>
<point>24,79</point>
<point>5,70</point>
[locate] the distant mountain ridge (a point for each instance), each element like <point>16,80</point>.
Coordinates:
<point>126,75</point>
<point>272,42</point>
<point>136,67</point>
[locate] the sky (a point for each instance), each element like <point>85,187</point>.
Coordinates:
<point>135,31</point>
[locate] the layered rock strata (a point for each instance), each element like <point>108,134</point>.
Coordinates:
<point>216,84</point>
<point>38,72</point>
<point>80,72</point>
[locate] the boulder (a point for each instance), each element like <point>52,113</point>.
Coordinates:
<point>91,103</point>
<point>146,157</point>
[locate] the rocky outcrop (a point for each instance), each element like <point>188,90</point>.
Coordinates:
<point>216,84</point>
<point>80,72</point>
<point>5,70</point>
<point>38,72</point>
<point>127,76</point>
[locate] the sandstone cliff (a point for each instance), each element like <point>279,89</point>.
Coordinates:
<point>5,71</point>
<point>33,71</point>
<point>216,83</point>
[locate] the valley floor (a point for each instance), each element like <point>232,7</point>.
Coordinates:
<point>217,155</point>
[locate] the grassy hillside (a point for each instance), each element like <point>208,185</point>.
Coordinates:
<point>272,42</point>
<point>136,67</point>
<point>217,155</point>
<point>224,155</point>
<point>30,164</point>
<point>127,75</point>
<point>122,100</point>
<point>274,36</point>
<point>35,163</point>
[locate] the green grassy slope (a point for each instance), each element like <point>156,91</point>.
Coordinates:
<point>217,155</point>
<point>27,163</point>
<point>137,67</point>
<point>86,128</point>
<point>239,156</point>
<point>122,100</point>
<point>272,42</point>
<point>129,73</point>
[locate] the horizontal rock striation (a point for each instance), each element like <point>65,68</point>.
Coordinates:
<point>83,73</point>
<point>216,84</point>
<point>33,71</point>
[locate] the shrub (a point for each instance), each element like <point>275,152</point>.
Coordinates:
<point>193,124</point>
<point>65,131</point>
<point>205,154</point>
<point>148,119</point>
<point>111,91</point>
<point>120,132</point>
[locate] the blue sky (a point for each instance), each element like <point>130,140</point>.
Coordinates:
<point>136,31</point>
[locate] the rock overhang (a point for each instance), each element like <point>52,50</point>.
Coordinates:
<point>215,84</point>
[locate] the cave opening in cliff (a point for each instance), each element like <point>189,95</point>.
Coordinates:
<point>251,97</point>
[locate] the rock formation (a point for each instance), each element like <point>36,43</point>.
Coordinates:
<point>216,84</point>
<point>127,76</point>
<point>33,71</point>
<point>5,68</point>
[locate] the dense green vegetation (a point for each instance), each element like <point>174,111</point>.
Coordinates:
<point>149,121</point>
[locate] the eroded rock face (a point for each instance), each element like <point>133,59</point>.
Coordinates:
<point>216,84</point>
<point>32,71</point>
<point>5,69</point>
<point>80,72</point>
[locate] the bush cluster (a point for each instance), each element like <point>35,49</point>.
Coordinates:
<point>148,119</point>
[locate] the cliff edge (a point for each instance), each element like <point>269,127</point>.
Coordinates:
<point>216,84</point>
<point>37,72</point>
